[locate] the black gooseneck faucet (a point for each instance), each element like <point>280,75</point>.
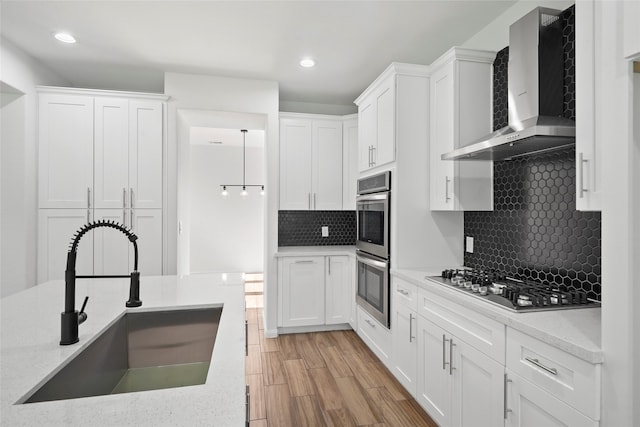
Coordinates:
<point>72,318</point>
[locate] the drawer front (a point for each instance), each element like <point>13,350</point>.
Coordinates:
<point>483,333</point>
<point>376,336</point>
<point>570,379</point>
<point>404,293</point>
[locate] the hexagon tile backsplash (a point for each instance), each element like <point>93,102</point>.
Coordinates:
<point>534,231</point>
<point>304,228</point>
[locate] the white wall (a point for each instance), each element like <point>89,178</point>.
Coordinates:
<point>227,234</point>
<point>19,74</point>
<point>190,91</point>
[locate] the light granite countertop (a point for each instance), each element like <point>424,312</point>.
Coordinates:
<point>577,332</point>
<point>30,352</point>
<point>284,251</point>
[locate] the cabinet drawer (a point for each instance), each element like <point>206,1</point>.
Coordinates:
<point>404,293</point>
<point>376,336</point>
<point>570,379</point>
<point>483,333</point>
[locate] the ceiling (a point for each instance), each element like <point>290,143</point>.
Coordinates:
<point>128,45</point>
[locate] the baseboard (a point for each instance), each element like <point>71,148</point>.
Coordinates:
<point>317,328</point>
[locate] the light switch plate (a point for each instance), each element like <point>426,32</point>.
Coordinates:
<point>325,231</point>
<point>469,244</point>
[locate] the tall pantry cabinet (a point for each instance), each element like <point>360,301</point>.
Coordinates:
<point>100,157</point>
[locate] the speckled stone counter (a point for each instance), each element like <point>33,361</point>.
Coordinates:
<point>576,331</point>
<point>30,353</point>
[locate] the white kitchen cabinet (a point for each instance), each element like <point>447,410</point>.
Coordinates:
<point>530,406</point>
<point>376,118</point>
<point>128,147</point>
<point>377,337</point>
<point>460,112</point>
<point>147,225</point>
<point>56,230</point>
<point>310,163</point>
<point>350,161</point>
<point>631,13</point>
<point>111,247</point>
<point>457,384</point>
<point>302,291</point>
<point>65,134</point>
<point>338,278</point>
<point>588,102</point>
<point>404,331</point>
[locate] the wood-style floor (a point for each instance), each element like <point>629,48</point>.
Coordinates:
<point>323,379</point>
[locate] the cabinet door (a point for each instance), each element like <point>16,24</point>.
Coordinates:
<point>588,169</point>
<point>111,136</point>
<point>366,134</point>
<point>530,406</point>
<point>145,154</point>
<point>478,388</point>
<point>384,149</point>
<point>65,140</point>
<point>302,291</point>
<point>405,347</point>
<point>295,164</point>
<point>111,247</point>
<point>434,384</point>
<point>338,278</point>
<point>56,229</point>
<point>350,164</point>
<point>147,225</point>
<point>442,172</point>
<point>326,169</point>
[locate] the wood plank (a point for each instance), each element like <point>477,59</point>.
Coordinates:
<point>386,378</point>
<point>267,344</point>
<point>347,341</point>
<point>298,378</point>
<point>253,362</point>
<point>272,369</point>
<point>260,315</point>
<point>252,315</point>
<point>326,389</point>
<point>357,402</point>
<point>258,423</point>
<point>335,362</point>
<point>398,413</point>
<point>257,405</point>
<point>415,413</point>
<point>324,339</point>
<point>288,347</point>
<point>278,402</point>
<point>309,352</point>
<point>362,371</point>
<point>253,337</point>
<point>339,417</point>
<point>306,412</point>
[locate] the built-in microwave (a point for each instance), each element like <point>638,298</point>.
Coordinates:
<point>372,214</point>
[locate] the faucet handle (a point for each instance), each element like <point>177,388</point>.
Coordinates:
<point>82,316</point>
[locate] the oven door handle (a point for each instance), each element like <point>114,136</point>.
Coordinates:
<point>371,261</point>
<point>373,197</point>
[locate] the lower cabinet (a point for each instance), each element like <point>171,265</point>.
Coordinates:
<point>377,337</point>
<point>531,406</point>
<point>457,384</point>
<point>315,290</point>
<point>404,332</point>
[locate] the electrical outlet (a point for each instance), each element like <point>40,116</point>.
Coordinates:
<point>325,231</point>
<point>469,244</point>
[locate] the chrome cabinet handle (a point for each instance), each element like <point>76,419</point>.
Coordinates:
<point>580,184</point>
<point>131,198</point>
<point>248,405</point>
<point>124,198</point>
<point>309,200</point>
<point>506,409</point>
<point>315,206</point>
<point>131,219</point>
<point>304,261</point>
<point>403,292</point>
<point>88,197</point>
<point>411,337</point>
<point>246,337</point>
<point>373,155</point>
<point>88,216</point>
<point>124,217</point>
<point>446,189</point>
<point>451,368</point>
<point>370,323</point>
<point>537,363</point>
<point>329,264</point>
<point>444,353</point>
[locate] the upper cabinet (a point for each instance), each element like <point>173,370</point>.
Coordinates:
<point>350,161</point>
<point>588,144</point>
<point>310,162</point>
<point>460,112</point>
<point>376,118</point>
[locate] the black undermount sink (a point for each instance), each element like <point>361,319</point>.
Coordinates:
<point>140,351</point>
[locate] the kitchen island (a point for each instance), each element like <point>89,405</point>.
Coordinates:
<point>30,353</point>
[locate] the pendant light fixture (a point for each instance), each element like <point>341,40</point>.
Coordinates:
<point>244,184</point>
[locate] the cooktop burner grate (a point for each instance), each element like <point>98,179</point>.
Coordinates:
<point>513,294</point>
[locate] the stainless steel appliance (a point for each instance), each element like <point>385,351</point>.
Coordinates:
<point>512,294</point>
<point>373,286</point>
<point>372,212</point>
<point>372,243</point>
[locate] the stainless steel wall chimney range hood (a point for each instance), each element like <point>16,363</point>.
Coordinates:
<point>535,94</point>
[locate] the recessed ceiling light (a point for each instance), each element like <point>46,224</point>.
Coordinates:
<point>64,37</point>
<point>307,63</point>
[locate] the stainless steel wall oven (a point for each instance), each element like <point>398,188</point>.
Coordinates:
<point>372,243</point>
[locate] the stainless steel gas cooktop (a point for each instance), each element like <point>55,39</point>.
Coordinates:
<point>512,294</point>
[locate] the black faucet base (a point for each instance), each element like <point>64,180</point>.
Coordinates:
<point>69,328</point>
<point>134,290</point>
